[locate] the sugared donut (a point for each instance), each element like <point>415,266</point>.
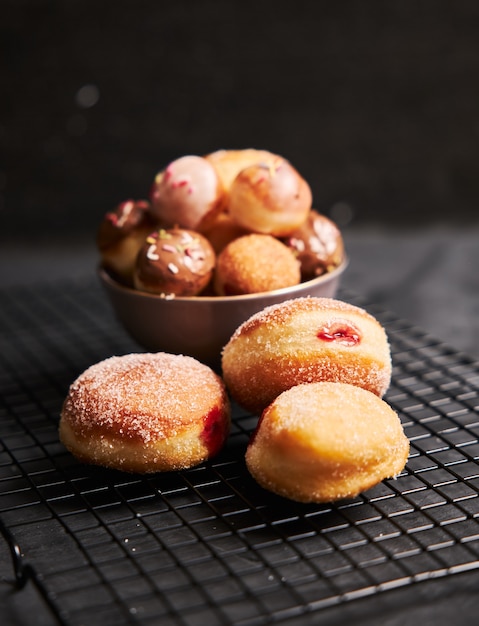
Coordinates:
<point>253,264</point>
<point>272,199</point>
<point>175,262</point>
<point>318,245</point>
<point>121,234</point>
<point>305,340</point>
<point>146,413</point>
<point>188,194</point>
<point>229,163</point>
<point>326,441</point>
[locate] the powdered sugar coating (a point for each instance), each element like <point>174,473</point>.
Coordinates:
<point>324,441</point>
<point>283,311</point>
<point>145,412</point>
<point>281,346</point>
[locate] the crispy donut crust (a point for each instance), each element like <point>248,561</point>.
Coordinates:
<point>321,442</point>
<point>146,413</point>
<point>253,264</point>
<point>305,340</point>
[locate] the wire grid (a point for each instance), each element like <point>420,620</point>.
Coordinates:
<point>207,545</point>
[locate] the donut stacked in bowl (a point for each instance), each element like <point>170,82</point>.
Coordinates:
<point>232,222</point>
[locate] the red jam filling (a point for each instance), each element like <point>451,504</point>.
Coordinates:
<point>213,434</point>
<point>340,331</point>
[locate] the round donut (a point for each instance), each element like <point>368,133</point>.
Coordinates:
<point>120,236</point>
<point>188,194</point>
<point>253,264</point>
<point>272,199</point>
<point>305,340</point>
<point>317,244</point>
<point>146,413</point>
<point>321,442</point>
<point>229,163</point>
<point>174,262</point>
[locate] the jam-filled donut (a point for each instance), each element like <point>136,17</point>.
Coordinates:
<point>253,264</point>
<point>305,340</point>
<point>121,234</point>
<point>174,262</point>
<point>270,198</point>
<point>146,413</point>
<point>317,244</point>
<point>321,442</point>
<point>188,194</point>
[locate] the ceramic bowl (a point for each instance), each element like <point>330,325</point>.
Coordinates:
<point>199,326</point>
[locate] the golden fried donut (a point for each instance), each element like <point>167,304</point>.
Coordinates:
<point>320,442</point>
<point>272,199</point>
<point>146,413</point>
<point>305,340</point>
<point>121,234</point>
<point>229,163</point>
<point>187,193</point>
<point>253,264</point>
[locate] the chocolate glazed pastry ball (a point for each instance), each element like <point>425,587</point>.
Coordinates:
<point>320,442</point>
<point>146,413</point>
<point>120,236</point>
<point>175,262</point>
<point>305,340</point>
<point>317,244</point>
<point>254,264</point>
<point>188,194</point>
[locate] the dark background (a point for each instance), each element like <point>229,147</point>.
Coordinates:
<point>375,102</point>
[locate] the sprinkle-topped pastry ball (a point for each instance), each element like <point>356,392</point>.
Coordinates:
<point>270,198</point>
<point>253,264</point>
<point>188,194</point>
<point>121,234</point>
<point>229,163</point>
<point>321,442</point>
<point>305,340</point>
<point>318,245</point>
<point>146,413</point>
<point>176,262</point>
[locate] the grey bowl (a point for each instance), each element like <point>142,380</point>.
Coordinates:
<point>199,326</point>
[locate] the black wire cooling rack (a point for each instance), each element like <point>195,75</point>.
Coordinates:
<point>207,545</point>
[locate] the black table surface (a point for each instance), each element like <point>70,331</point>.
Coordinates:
<point>427,277</point>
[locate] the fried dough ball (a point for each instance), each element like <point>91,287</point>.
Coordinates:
<point>321,442</point>
<point>254,264</point>
<point>317,244</point>
<point>272,199</point>
<point>188,194</point>
<point>146,413</point>
<point>305,340</point>
<point>175,261</point>
<point>120,236</point>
